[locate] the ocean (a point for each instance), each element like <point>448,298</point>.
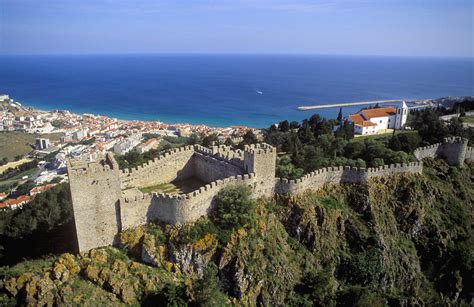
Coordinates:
<point>223,90</point>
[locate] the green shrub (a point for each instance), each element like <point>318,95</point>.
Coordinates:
<point>234,208</point>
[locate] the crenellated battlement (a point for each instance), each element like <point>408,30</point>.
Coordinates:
<point>342,175</point>
<point>107,200</point>
<point>160,159</point>
<point>455,139</point>
<point>259,148</point>
<point>453,149</point>
<point>83,167</point>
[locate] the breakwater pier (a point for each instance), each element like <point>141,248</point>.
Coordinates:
<point>348,104</point>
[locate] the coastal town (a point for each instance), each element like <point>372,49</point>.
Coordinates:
<point>59,135</point>
<point>37,145</point>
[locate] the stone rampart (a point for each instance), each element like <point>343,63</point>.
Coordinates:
<point>393,169</point>
<point>430,151</point>
<point>140,208</point>
<point>211,168</point>
<point>107,200</point>
<point>454,150</point>
<point>223,153</point>
<point>346,174</point>
<point>134,206</point>
<point>173,165</point>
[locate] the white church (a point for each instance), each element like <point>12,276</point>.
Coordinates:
<point>379,120</point>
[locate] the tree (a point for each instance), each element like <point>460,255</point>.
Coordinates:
<point>337,146</point>
<point>25,188</point>
<point>318,287</point>
<point>234,208</point>
<point>314,121</point>
<point>249,138</point>
<point>286,169</point>
<point>395,143</point>
<point>193,139</point>
<point>228,142</point>
<point>430,128</point>
<point>345,130</point>
<point>339,116</point>
<point>407,142</point>
<point>284,126</point>
<point>305,134</point>
<point>47,210</point>
<point>209,140</point>
<point>455,126</point>
<point>294,125</point>
<point>377,162</point>
<point>208,291</point>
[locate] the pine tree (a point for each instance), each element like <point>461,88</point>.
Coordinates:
<point>339,116</point>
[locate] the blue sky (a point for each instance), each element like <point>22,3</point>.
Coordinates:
<point>360,27</point>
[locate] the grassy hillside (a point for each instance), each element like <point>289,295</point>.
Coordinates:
<point>17,143</point>
<point>403,240</point>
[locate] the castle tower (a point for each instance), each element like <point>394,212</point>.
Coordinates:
<point>454,150</point>
<point>260,159</point>
<point>95,192</point>
<point>401,116</point>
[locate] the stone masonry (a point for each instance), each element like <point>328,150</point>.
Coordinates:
<point>107,200</point>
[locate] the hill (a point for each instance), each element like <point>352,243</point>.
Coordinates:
<point>400,240</point>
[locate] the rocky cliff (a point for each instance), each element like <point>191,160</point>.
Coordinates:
<point>402,240</point>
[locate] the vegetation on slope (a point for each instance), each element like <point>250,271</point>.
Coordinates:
<point>41,226</point>
<point>401,240</point>
<point>312,144</point>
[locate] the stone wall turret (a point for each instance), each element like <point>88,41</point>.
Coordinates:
<point>261,160</point>
<point>454,150</point>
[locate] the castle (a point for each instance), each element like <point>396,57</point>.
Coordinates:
<point>107,200</point>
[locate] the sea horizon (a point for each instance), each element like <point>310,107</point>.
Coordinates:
<point>224,89</point>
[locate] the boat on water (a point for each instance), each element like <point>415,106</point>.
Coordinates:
<point>259,92</point>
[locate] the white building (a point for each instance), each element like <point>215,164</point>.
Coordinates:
<point>41,143</point>
<point>127,144</point>
<point>144,147</point>
<point>378,120</point>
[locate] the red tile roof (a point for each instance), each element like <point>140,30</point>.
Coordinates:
<point>360,121</point>
<point>41,188</point>
<point>379,112</point>
<point>149,142</point>
<point>356,118</point>
<point>22,199</point>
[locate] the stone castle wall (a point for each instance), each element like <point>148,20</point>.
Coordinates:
<point>174,165</point>
<point>454,150</point>
<point>185,162</point>
<point>106,200</point>
<point>430,151</point>
<point>210,168</point>
<point>140,208</point>
<point>341,175</point>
